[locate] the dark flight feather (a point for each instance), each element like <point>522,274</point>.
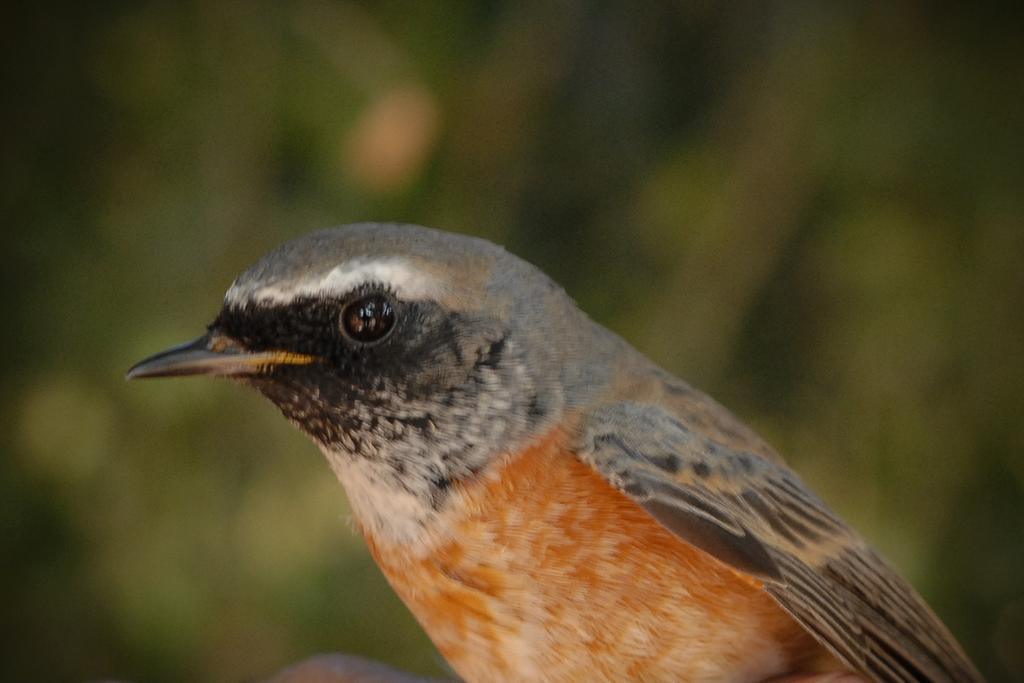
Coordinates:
<point>756,516</point>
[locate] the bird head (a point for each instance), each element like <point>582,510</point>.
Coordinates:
<point>411,356</point>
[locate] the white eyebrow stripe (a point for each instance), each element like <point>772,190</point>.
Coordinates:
<point>399,275</point>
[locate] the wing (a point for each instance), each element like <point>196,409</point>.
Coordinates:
<point>758,517</point>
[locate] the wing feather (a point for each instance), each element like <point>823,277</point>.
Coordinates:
<point>757,516</point>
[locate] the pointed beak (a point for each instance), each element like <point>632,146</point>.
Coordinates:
<point>216,355</point>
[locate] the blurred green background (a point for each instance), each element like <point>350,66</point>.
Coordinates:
<point>811,210</point>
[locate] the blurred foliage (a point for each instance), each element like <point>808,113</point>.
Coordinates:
<point>811,210</point>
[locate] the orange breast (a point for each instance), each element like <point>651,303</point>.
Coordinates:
<point>550,574</point>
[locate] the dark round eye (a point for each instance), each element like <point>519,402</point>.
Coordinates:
<point>368,319</point>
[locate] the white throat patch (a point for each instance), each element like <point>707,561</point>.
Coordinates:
<point>386,512</point>
<point>407,281</point>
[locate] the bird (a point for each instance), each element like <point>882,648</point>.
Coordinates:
<point>550,504</point>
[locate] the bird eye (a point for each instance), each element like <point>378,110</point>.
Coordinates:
<point>368,319</point>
